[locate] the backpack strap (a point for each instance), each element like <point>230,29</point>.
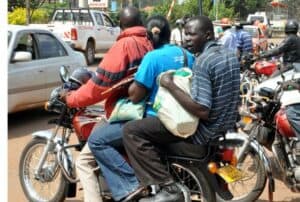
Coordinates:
<point>185,59</point>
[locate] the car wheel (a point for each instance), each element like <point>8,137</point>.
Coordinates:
<point>270,34</point>
<point>90,53</point>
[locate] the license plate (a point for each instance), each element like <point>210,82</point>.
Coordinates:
<point>230,173</point>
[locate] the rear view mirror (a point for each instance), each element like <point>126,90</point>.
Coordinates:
<point>64,74</point>
<point>21,56</point>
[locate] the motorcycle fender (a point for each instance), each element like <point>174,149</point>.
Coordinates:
<point>44,134</point>
<point>255,146</point>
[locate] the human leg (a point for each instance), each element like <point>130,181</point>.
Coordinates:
<point>86,166</point>
<point>119,176</point>
<point>293,115</point>
<point>142,139</point>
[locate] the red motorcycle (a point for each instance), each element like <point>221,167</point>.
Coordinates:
<point>47,171</point>
<point>265,121</point>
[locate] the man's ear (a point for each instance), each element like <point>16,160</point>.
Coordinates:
<point>208,35</point>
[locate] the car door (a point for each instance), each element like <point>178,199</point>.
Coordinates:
<point>26,79</point>
<point>53,55</point>
<point>106,32</point>
<point>112,32</point>
<point>101,32</point>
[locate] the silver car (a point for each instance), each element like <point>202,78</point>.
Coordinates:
<point>34,58</point>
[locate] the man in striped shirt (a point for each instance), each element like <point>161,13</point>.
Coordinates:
<point>244,40</point>
<point>214,99</point>
<point>215,84</point>
<point>229,38</point>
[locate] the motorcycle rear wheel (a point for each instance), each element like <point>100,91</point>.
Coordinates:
<point>252,185</point>
<point>51,185</point>
<point>194,180</point>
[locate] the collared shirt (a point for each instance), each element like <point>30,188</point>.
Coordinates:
<point>229,40</point>
<point>164,58</point>
<point>177,36</point>
<point>215,85</point>
<point>244,41</point>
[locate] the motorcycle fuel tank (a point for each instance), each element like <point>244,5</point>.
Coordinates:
<point>282,124</point>
<point>265,68</point>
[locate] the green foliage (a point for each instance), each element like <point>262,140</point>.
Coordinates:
<point>49,8</point>
<point>162,9</point>
<point>226,8</point>
<point>18,16</point>
<point>220,11</point>
<point>40,16</point>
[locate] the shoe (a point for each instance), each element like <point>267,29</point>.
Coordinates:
<point>135,195</point>
<point>168,193</point>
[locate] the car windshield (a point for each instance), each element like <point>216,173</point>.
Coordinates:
<point>72,16</point>
<point>8,37</point>
<point>254,18</point>
<point>251,31</point>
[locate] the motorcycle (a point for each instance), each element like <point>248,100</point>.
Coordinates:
<point>265,121</point>
<point>204,173</point>
<point>47,171</point>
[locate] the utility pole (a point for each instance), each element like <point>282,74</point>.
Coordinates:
<point>27,12</point>
<point>200,7</point>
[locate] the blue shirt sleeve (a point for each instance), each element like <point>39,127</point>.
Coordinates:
<point>201,89</point>
<point>145,74</point>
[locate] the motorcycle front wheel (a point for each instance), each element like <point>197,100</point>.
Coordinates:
<point>250,187</point>
<point>193,179</point>
<point>47,186</point>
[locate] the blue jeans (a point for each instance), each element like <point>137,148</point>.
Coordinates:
<point>119,176</point>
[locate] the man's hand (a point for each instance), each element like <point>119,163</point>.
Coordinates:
<point>63,94</point>
<point>166,80</point>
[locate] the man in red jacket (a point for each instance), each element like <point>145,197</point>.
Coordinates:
<point>127,52</point>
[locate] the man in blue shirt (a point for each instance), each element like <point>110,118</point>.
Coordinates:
<point>244,40</point>
<point>214,99</point>
<point>229,38</point>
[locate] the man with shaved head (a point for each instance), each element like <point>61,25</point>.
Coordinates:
<point>126,53</point>
<point>214,99</point>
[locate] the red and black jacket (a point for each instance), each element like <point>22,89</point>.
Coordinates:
<point>126,53</point>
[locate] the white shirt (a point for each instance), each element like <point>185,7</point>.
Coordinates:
<point>176,37</point>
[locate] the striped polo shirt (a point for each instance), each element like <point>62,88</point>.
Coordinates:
<point>215,85</point>
<point>244,40</point>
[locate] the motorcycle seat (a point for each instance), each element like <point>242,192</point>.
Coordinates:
<point>185,149</point>
<point>267,92</point>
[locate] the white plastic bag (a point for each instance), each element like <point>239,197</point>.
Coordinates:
<point>174,117</point>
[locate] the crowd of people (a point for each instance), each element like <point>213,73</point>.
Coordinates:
<point>155,48</point>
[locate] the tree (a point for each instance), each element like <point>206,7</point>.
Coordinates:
<point>226,8</point>
<point>220,11</point>
<point>243,7</point>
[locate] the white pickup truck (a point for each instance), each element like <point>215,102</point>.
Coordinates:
<point>86,30</point>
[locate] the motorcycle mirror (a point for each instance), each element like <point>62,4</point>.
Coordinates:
<point>64,74</point>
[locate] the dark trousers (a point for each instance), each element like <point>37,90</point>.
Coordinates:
<point>293,115</point>
<point>142,139</point>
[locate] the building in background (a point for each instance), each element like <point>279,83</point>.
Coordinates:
<point>114,5</point>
